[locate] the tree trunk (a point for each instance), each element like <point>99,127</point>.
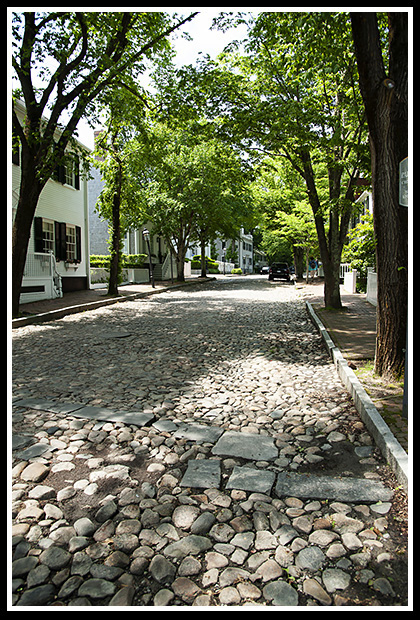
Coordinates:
<point>330,250</point>
<point>180,260</point>
<point>298,254</point>
<point>332,297</point>
<point>116,238</point>
<point>203,259</point>
<point>386,105</point>
<point>30,191</point>
<point>180,268</point>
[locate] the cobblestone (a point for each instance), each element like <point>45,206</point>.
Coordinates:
<point>126,490</point>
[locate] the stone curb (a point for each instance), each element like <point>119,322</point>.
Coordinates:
<point>92,305</point>
<point>391,449</point>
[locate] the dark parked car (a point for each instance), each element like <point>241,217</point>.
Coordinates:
<point>280,271</point>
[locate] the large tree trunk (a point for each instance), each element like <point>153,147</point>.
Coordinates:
<point>180,268</point>
<point>386,104</point>
<point>30,190</point>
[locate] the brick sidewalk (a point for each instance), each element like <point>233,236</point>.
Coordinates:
<point>353,330</point>
<point>78,298</point>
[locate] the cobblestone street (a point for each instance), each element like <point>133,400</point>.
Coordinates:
<point>196,448</point>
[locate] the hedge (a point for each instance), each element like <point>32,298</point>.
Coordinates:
<point>128,260</point>
<point>212,265</point>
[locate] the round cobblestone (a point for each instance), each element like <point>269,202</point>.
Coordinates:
<point>236,356</point>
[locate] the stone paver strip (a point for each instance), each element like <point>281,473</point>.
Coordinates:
<point>202,473</point>
<point>199,432</point>
<point>247,446</point>
<point>325,487</point>
<point>250,479</point>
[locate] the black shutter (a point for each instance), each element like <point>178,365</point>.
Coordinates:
<point>60,241</point>
<point>76,172</point>
<point>38,238</point>
<point>61,174</point>
<point>78,243</point>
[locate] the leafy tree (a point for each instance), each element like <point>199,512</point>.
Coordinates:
<point>221,194</point>
<point>64,61</point>
<point>299,230</point>
<point>282,202</point>
<point>383,79</point>
<point>118,200</point>
<point>165,169</point>
<point>293,95</point>
<point>190,188</point>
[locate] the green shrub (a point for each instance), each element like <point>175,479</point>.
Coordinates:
<point>100,260</point>
<point>128,260</point>
<point>134,260</point>
<point>212,265</point>
<point>237,270</point>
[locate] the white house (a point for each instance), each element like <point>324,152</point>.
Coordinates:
<point>244,248</point>
<point>58,252</point>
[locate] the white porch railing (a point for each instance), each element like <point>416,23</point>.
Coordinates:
<point>372,287</point>
<point>166,267</point>
<point>344,268</point>
<point>40,278</point>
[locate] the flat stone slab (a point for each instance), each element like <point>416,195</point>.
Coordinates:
<point>64,407</point>
<point>165,425</point>
<point>117,333</point>
<point>199,432</point>
<point>249,479</point>
<point>41,404</point>
<point>202,473</point>
<point>136,418</point>
<point>33,451</point>
<point>92,413</point>
<point>246,446</point>
<point>325,487</point>
<point>21,441</point>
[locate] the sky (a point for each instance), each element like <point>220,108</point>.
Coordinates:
<point>204,40</point>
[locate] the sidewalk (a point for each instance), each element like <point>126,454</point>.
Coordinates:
<point>79,301</point>
<point>353,330</point>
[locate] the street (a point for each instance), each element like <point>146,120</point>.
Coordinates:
<point>196,448</point>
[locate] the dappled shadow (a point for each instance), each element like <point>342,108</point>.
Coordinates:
<point>139,353</point>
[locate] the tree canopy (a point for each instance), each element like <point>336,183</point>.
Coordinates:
<point>292,94</point>
<point>64,62</point>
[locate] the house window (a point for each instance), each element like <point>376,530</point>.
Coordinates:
<point>68,173</point>
<point>62,239</point>
<point>70,242</point>
<point>47,236</point>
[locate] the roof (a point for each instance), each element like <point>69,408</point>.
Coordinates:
<point>20,106</point>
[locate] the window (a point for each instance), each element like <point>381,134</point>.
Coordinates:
<point>47,236</point>
<point>63,240</point>
<point>70,243</point>
<point>68,173</point>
